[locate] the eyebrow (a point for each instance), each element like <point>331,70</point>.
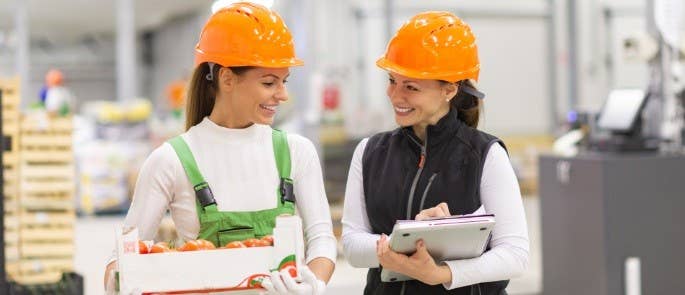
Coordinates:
<point>277,77</point>
<point>403,82</point>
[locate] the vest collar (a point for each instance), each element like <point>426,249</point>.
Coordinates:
<point>446,128</point>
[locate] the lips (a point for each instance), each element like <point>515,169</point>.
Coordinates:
<point>402,111</point>
<point>271,108</point>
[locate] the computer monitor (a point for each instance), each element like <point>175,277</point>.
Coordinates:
<point>622,110</point>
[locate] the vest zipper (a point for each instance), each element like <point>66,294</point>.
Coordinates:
<point>422,161</point>
<point>425,192</point>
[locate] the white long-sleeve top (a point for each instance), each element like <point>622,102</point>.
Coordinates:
<point>240,167</point>
<point>500,195</point>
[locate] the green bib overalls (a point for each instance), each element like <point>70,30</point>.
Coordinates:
<point>222,227</point>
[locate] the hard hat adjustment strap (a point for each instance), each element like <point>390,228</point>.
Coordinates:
<point>210,75</point>
<point>472,91</point>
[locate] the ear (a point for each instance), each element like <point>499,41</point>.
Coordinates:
<point>227,79</point>
<point>449,90</point>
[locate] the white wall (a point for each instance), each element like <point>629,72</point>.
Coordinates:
<point>173,53</point>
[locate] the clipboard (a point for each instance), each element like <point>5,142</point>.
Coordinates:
<point>447,238</point>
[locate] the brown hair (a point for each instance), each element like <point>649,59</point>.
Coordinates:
<point>467,104</point>
<point>202,92</point>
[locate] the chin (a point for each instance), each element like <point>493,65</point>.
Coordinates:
<point>265,121</point>
<point>403,122</point>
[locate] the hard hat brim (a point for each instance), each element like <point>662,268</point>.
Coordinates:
<point>456,76</point>
<point>227,61</point>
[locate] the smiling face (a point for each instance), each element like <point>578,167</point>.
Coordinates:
<point>419,102</point>
<point>252,96</point>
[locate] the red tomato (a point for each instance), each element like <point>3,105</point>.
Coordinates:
<point>269,239</point>
<point>190,245</point>
<point>205,245</point>
<point>235,244</point>
<point>160,247</point>
<point>292,270</point>
<point>142,248</point>
<point>262,243</point>
<point>252,242</point>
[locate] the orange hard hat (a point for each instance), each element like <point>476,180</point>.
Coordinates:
<point>246,34</point>
<point>53,78</point>
<point>433,45</point>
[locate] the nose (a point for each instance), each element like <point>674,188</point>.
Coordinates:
<point>393,93</point>
<point>282,93</point>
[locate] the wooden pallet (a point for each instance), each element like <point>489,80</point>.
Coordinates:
<point>10,165</point>
<point>11,237</point>
<point>10,91</point>
<point>11,229</point>
<point>37,141</point>
<point>48,187</point>
<point>42,218</point>
<point>42,265</point>
<point>11,222</point>
<point>44,157</point>
<point>32,203</point>
<point>11,252</point>
<point>10,120</point>
<point>59,125</point>
<point>11,206</point>
<point>11,138</point>
<point>10,189</point>
<point>47,277</point>
<point>46,181</point>
<point>45,171</point>
<point>46,235</point>
<point>10,113</point>
<point>10,174</point>
<point>46,250</point>
<point>10,159</point>
<point>46,139</point>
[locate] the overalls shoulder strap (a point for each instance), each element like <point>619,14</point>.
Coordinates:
<point>202,191</point>
<point>282,155</point>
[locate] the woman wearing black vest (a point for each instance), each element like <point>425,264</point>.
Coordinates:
<point>435,164</point>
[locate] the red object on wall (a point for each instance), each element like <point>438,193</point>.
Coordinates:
<point>331,97</point>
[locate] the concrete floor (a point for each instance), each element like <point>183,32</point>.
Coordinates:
<point>95,241</point>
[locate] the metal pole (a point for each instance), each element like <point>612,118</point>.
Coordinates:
<point>609,48</point>
<point>21,25</point>
<point>552,64</point>
<point>573,54</point>
<point>359,20</point>
<point>126,50</point>
<point>389,17</point>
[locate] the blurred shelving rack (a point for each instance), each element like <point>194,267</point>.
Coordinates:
<point>9,223</point>
<point>31,228</point>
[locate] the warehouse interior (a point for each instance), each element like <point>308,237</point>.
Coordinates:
<point>603,200</point>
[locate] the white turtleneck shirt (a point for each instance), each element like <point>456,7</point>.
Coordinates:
<point>240,167</point>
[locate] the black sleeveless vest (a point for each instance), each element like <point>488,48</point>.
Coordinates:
<point>402,176</point>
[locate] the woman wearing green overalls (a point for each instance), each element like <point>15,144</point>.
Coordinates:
<point>230,174</point>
